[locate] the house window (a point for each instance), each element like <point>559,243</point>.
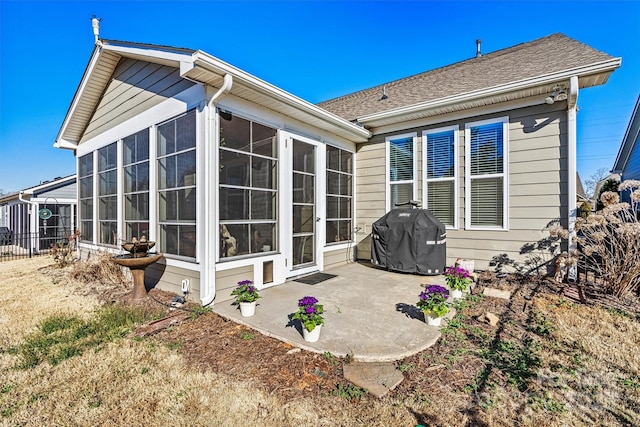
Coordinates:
<point>108,195</point>
<point>176,153</point>
<point>339,195</point>
<point>486,178</point>
<point>85,182</point>
<point>248,165</point>
<point>440,192</point>
<point>136,185</point>
<point>401,158</point>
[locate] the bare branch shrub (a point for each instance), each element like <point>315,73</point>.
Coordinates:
<point>609,241</point>
<point>99,268</point>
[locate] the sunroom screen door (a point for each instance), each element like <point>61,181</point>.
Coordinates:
<point>304,204</point>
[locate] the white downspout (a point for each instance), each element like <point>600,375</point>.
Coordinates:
<point>33,217</point>
<point>572,108</point>
<point>208,285</point>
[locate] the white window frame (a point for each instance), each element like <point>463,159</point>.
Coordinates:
<point>504,175</point>
<point>351,197</point>
<point>456,156</point>
<point>388,183</point>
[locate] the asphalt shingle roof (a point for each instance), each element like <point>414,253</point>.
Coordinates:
<point>547,55</point>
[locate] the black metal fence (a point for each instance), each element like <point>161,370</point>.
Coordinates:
<point>27,245</point>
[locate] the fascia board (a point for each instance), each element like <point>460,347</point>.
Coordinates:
<point>242,78</point>
<point>150,53</point>
<point>60,181</point>
<point>61,143</point>
<point>601,67</point>
<point>630,138</point>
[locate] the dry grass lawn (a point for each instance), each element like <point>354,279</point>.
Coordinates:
<point>550,362</point>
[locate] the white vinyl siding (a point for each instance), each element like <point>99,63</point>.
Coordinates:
<point>440,192</point>
<point>401,167</point>
<point>486,195</point>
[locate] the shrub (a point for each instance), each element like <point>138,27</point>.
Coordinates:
<point>609,241</point>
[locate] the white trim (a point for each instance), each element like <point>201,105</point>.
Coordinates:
<point>456,167</point>
<point>387,167</point>
<point>604,66</point>
<point>572,138</point>
<point>504,174</point>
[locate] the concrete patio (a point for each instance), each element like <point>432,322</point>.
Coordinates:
<point>370,313</point>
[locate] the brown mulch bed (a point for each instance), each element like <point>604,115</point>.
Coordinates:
<point>210,342</point>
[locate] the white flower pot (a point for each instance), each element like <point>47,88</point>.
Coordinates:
<point>432,321</point>
<point>312,336</point>
<point>456,293</point>
<point>248,309</point>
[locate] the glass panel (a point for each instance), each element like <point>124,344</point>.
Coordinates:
<point>86,187</point>
<point>346,161</point>
<point>401,159</point>
<point>108,208</point>
<point>263,205</point>
<point>234,240</point>
<point>333,207</point>
<point>136,207</point>
<point>303,188</point>
<point>234,203</point>
<point>86,208</point>
<point>338,231</point>
<point>345,207</point>
<point>108,183</point>
<point>346,187</point>
<point>108,233</point>
<point>166,138</point>
<point>487,149</point>
<point>178,240</point>
<point>137,230</point>
<point>136,147</point>
<point>86,228</point>
<point>86,165</point>
<point>487,202</point>
<point>303,252</point>
<point>333,158</point>
<point>303,219</point>
<point>263,172</point>
<point>303,157</point>
<point>186,169</point>
<point>107,157</point>
<point>264,141</point>
<point>440,195</point>
<point>262,237</point>
<point>235,132</point>
<point>401,194</point>
<point>234,169</point>
<point>186,131</point>
<point>333,182</point>
<point>440,155</point>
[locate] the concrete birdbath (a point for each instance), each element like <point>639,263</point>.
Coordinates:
<point>137,260</point>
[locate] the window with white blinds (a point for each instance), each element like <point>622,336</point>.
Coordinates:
<point>440,193</point>
<point>486,177</point>
<point>401,176</point>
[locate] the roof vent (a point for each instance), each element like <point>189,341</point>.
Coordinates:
<point>478,43</point>
<point>384,93</point>
<point>95,23</point>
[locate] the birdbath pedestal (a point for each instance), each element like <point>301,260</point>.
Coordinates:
<point>137,261</point>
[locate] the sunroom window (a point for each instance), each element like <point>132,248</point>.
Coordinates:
<point>108,195</point>
<point>248,193</point>
<point>85,184</point>
<point>440,192</point>
<point>486,177</point>
<point>176,143</point>
<point>401,156</point>
<point>339,195</point>
<point>136,185</point>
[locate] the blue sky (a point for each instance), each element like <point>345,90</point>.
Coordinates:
<point>316,50</point>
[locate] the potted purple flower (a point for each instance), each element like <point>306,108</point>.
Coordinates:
<point>246,296</point>
<point>457,279</point>
<point>310,315</point>
<point>433,303</point>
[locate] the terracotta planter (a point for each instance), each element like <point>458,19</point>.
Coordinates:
<point>247,309</point>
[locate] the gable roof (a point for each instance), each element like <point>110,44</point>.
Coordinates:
<point>197,66</point>
<point>523,70</point>
<point>629,141</point>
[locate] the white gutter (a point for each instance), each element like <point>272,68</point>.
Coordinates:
<point>572,138</point>
<point>209,63</point>
<point>208,281</point>
<point>600,67</point>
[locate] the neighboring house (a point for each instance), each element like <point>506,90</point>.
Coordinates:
<point>627,162</point>
<point>581,195</point>
<point>237,179</point>
<point>41,214</point>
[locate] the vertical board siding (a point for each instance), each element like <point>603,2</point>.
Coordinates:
<point>136,86</point>
<point>537,185</point>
